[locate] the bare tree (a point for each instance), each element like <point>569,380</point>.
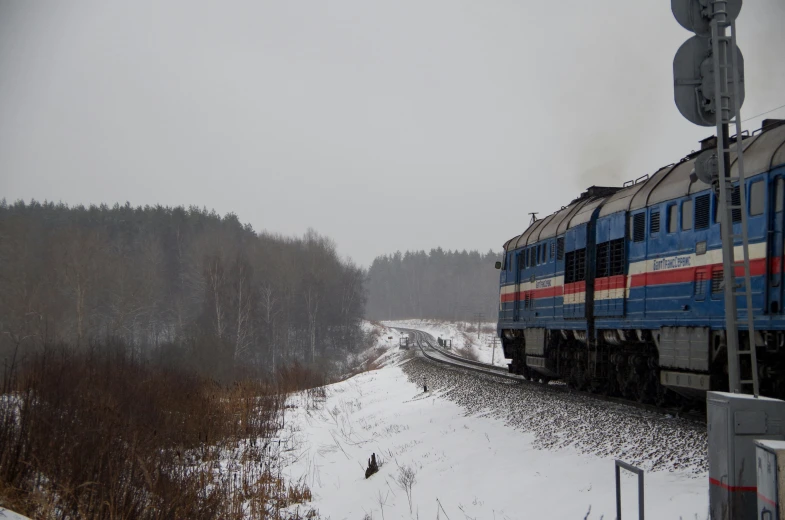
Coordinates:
<point>269,306</point>
<point>243,310</point>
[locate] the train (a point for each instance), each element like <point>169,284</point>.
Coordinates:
<point>621,291</point>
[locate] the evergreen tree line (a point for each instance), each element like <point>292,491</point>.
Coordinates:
<point>182,286</point>
<point>450,285</point>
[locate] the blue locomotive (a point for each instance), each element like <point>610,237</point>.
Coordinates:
<point>621,291</point>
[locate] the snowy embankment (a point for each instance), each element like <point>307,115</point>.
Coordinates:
<point>464,335</point>
<point>483,449</point>
<point>5,514</point>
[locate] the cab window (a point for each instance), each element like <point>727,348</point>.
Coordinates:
<point>673,218</point>
<point>686,215</point>
<point>757,198</point>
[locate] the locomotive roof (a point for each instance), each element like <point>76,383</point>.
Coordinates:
<point>763,151</point>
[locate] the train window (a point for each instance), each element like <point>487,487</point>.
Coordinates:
<point>543,251</point>
<point>779,194</point>
<point>560,248</point>
<point>575,266</point>
<point>617,257</point>
<point>610,258</point>
<point>735,197</point>
<point>686,215</point>
<point>569,267</point>
<point>580,265</point>
<point>757,198</point>
<point>539,254</point>
<point>673,218</point>
<point>654,224</point>
<point>602,268</point>
<point>638,227</point>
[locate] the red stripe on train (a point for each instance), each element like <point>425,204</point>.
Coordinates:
<point>611,282</point>
<point>687,274</point>
<point>684,275</point>
<point>546,292</point>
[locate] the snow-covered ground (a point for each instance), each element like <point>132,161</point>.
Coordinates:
<point>463,335</point>
<point>472,461</point>
<point>5,514</point>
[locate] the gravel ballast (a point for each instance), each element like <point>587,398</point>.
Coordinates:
<point>650,440</point>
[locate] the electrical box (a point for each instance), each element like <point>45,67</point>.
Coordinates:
<point>735,422</point>
<point>770,469</point>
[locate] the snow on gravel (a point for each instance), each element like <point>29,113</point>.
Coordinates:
<point>652,441</point>
<point>463,335</point>
<point>485,449</point>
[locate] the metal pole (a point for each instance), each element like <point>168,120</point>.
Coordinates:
<point>743,199</point>
<point>722,111</point>
<point>640,495</point>
<point>618,493</point>
<point>639,472</point>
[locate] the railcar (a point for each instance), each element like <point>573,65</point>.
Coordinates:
<point>621,291</point>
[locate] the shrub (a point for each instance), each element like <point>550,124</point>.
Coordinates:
<point>98,434</point>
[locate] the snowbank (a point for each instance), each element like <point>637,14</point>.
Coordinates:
<point>465,465</point>
<point>6,514</point>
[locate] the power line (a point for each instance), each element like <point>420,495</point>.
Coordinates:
<point>763,113</point>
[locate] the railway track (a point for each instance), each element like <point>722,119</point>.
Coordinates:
<point>426,344</point>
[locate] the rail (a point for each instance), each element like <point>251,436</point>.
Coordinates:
<point>454,361</point>
<point>467,364</point>
<point>463,359</point>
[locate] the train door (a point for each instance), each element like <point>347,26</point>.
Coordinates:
<point>519,267</point>
<point>776,237</point>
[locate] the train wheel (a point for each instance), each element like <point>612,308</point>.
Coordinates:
<point>645,389</point>
<point>661,395</point>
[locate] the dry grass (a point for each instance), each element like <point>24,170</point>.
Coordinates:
<point>467,353</point>
<point>97,434</point>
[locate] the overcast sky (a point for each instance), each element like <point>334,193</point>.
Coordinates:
<point>386,125</point>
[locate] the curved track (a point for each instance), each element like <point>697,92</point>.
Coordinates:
<point>426,344</point>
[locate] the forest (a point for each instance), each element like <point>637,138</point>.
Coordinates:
<point>182,286</point>
<point>449,285</point>
<point>160,345</point>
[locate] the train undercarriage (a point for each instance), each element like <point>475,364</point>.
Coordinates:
<point>672,366</point>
